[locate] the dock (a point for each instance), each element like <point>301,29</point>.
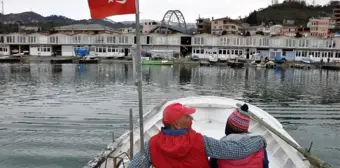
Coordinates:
<point>236,64</point>
<point>331,66</point>
<point>301,66</point>
<point>61,61</point>
<point>88,61</point>
<point>10,60</point>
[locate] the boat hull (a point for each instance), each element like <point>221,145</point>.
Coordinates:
<point>157,62</point>
<point>209,119</point>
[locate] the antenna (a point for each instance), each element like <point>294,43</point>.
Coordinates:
<point>3,9</point>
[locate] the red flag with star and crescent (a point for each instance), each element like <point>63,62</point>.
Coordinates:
<point>100,9</point>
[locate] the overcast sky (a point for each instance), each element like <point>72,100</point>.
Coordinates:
<point>150,9</point>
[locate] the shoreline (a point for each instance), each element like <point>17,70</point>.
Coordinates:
<point>185,61</point>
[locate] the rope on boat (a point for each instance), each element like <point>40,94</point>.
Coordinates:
<point>314,160</point>
<point>116,162</point>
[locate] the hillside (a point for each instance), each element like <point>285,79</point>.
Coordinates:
<point>8,23</point>
<point>289,9</point>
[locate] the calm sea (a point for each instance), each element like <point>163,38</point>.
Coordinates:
<point>54,116</point>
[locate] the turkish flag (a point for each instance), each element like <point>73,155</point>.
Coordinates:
<point>100,9</point>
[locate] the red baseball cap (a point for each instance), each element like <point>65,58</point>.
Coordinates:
<point>174,111</point>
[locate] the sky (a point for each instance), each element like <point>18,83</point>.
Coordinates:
<point>149,9</point>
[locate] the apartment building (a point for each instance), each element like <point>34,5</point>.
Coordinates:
<point>320,27</point>
<point>203,25</point>
<point>226,26</point>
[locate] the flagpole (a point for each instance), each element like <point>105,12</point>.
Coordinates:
<point>139,85</point>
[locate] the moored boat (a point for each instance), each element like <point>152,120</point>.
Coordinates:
<point>209,119</point>
<point>157,62</point>
<point>213,58</point>
<point>307,60</point>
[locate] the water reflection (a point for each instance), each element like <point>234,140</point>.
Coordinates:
<point>184,74</point>
<point>73,109</point>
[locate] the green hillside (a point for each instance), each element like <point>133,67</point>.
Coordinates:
<point>298,11</point>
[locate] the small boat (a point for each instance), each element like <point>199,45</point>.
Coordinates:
<point>213,58</point>
<point>307,60</point>
<point>222,58</point>
<point>257,57</point>
<point>209,119</point>
<point>279,60</point>
<point>235,64</point>
<point>157,62</point>
<point>260,65</point>
<point>195,58</point>
<point>18,54</point>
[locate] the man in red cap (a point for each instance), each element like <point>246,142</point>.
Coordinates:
<point>177,145</point>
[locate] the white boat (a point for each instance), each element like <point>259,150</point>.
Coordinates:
<point>18,54</point>
<point>257,57</point>
<point>222,58</point>
<point>213,58</point>
<point>209,119</point>
<point>307,60</point>
<point>260,65</point>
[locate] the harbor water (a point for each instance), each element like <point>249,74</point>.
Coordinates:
<point>60,116</point>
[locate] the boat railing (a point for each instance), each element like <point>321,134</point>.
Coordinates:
<point>118,160</point>
<point>104,155</point>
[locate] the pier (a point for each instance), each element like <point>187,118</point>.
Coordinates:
<point>10,60</point>
<point>331,67</point>
<point>127,60</point>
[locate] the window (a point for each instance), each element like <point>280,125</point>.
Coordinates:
<point>54,39</point>
<point>44,48</point>
<point>21,39</point>
<point>99,40</point>
<point>76,39</point>
<point>111,39</point>
<point>337,55</point>
<point>123,40</point>
<point>223,41</point>
<point>198,40</point>
<point>32,39</point>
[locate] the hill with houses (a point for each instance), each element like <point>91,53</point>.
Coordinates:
<point>297,11</point>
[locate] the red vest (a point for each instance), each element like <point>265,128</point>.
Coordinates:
<point>254,160</point>
<point>178,151</point>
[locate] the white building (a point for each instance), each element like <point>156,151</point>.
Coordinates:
<point>290,47</point>
<point>112,44</point>
<point>149,26</point>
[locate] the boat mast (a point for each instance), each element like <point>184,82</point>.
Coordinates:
<point>138,67</point>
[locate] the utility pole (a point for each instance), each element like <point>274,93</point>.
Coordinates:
<point>3,9</point>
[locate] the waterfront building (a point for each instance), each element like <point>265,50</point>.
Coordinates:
<point>109,43</point>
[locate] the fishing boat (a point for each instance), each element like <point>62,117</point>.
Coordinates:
<point>235,64</point>
<point>257,57</point>
<point>209,119</point>
<point>307,60</point>
<point>213,58</point>
<point>157,62</point>
<point>261,65</point>
<point>195,58</point>
<point>148,61</point>
<point>222,58</point>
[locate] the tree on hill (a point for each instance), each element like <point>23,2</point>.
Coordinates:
<point>252,18</point>
<point>298,11</point>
